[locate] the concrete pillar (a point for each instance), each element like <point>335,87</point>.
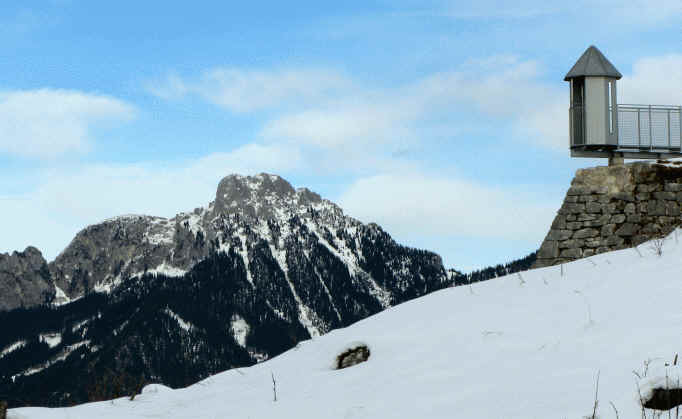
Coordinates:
<point>616,159</point>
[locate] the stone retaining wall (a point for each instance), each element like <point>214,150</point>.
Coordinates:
<point>610,208</point>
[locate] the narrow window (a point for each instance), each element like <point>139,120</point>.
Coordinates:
<point>610,108</point>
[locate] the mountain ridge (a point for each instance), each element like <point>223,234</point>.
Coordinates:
<point>259,269</point>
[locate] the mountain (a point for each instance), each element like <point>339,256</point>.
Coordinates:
<point>261,268</point>
<point>598,338</point>
<point>257,217</point>
<point>138,299</point>
<point>24,280</point>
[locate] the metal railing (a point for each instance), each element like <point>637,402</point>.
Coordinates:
<point>649,127</point>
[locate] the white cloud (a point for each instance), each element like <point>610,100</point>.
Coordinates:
<point>642,12</point>
<point>654,81</point>
<point>410,204</point>
<point>48,122</point>
<point>615,12</point>
<point>504,87</point>
<point>241,90</point>
<point>355,122</point>
<point>346,124</point>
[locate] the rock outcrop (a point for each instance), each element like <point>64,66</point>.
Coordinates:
<point>610,208</point>
<point>101,255</point>
<point>24,279</point>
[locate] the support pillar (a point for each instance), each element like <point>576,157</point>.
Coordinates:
<point>616,159</point>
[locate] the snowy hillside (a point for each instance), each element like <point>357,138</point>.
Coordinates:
<point>527,345</point>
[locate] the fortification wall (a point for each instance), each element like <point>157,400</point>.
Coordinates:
<point>610,208</point>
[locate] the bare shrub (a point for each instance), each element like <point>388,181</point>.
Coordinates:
<point>657,246</point>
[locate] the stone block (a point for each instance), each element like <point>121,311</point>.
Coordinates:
<point>634,218</point>
<point>642,188</point>
<point>588,198</point>
<point>666,196</point>
<point>577,208</point>
<point>627,229</point>
<point>600,190</point>
<point>593,243</point>
<point>569,208</point>
<point>624,196</point>
<point>655,187</point>
<point>579,190</point>
<point>672,209</point>
<point>673,187</point>
<point>651,229</point>
<point>639,239</point>
<point>656,207</point>
<point>604,199</point>
<point>571,244</point>
<point>608,230</point>
<point>614,241</point>
<point>667,224</point>
<point>593,207</point>
<point>574,225</point>
<point>630,188</point>
<point>588,252</point>
<point>678,196</point>
<point>587,217</point>
<point>571,217</point>
<point>548,250</point>
<point>559,222</point>
<point>603,249</point>
<point>630,208</point>
<point>559,235</point>
<point>604,219</point>
<point>610,208</point>
<point>572,199</point>
<point>618,218</point>
<point>572,253</point>
<point>643,207</point>
<point>643,196</point>
<point>586,233</point>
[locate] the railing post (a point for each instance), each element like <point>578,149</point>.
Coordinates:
<point>651,138</point>
<point>639,129</point>
<point>669,127</point>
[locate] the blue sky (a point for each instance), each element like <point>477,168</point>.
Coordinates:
<point>443,121</point>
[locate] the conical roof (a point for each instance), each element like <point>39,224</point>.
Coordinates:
<point>593,63</point>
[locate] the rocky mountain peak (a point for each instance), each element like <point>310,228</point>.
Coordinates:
<point>259,196</point>
<point>24,279</point>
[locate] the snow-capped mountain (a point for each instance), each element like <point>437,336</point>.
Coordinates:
<point>259,216</point>
<point>259,269</point>
<point>597,337</point>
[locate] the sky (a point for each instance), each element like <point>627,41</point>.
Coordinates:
<point>443,121</point>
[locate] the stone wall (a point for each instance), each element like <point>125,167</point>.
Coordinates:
<point>610,208</point>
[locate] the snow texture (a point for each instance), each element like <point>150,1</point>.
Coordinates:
<point>240,329</point>
<point>503,348</point>
<point>52,339</point>
<point>13,347</point>
<point>184,325</point>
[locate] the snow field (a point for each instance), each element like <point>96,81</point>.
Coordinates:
<point>521,346</point>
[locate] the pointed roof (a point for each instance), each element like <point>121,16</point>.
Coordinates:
<point>593,63</point>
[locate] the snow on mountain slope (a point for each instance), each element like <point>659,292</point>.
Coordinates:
<point>527,345</point>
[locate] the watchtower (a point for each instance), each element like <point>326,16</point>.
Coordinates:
<point>599,127</point>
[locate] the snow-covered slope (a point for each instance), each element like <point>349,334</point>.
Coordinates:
<point>527,345</point>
